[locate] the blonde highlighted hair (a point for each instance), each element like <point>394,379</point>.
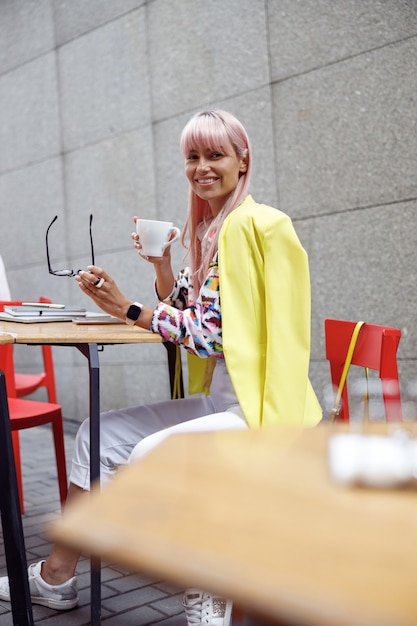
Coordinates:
<point>212,130</point>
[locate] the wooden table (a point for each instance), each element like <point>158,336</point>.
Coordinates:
<point>69,333</point>
<point>254,516</point>
<point>87,339</point>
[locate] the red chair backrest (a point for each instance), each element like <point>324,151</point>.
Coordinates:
<point>7,361</point>
<point>376,348</point>
<point>7,367</point>
<point>6,356</point>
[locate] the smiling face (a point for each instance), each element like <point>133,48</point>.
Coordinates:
<point>213,173</point>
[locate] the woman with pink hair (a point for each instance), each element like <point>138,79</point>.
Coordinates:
<point>243,303</point>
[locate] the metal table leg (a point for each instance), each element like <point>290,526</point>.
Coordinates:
<point>11,519</point>
<point>91,352</point>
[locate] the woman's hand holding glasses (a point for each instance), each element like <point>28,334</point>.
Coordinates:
<point>102,289</point>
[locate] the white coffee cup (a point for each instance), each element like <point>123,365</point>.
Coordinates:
<point>155,236</point>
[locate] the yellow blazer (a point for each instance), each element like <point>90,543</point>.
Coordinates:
<point>265,304</point>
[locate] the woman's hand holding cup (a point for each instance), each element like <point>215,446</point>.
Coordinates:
<point>153,238</point>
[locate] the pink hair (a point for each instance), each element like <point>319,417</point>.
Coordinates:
<point>212,129</point>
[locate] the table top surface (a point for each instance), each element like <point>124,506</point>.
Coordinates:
<point>254,515</point>
<point>71,333</point>
<point>5,338</point>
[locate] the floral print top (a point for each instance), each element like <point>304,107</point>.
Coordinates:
<point>192,320</point>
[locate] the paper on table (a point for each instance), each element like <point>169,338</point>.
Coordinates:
<point>44,311</point>
<point>37,319</point>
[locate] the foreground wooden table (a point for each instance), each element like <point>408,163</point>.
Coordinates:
<point>254,516</point>
<point>87,339</point>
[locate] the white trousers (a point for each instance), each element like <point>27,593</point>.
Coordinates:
<point>126,435</point>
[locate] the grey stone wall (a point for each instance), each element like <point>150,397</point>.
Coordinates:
<point>94,96</point>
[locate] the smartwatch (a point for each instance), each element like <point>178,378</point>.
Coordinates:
<point>133,313</point>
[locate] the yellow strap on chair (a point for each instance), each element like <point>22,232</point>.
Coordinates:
<point>200,373</point>
<point>349,355</point>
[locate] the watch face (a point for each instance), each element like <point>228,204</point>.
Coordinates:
<point>133,312</point>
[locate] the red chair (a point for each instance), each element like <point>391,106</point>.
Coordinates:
<point>376,349</point>
<point>28,383</point>
<point>30,413</point>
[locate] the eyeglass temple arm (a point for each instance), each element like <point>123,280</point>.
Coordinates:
<point>47,244</point>
<point>91,240</point>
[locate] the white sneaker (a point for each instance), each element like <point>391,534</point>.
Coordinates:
<point>204,608</point>
<point>59,597</point>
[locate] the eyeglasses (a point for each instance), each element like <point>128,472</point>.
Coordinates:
<point>66,272</point>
